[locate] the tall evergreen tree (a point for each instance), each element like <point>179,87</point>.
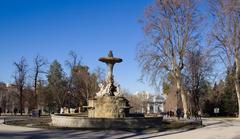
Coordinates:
<point>57,83</point>
<point>229,97</point>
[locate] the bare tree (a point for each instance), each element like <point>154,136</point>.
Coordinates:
<point>171,28</point>
<point>72,64</point>
<point>198,69</point>
<point>74,60</point>
<point>85,83</point>
<point>20,79</point>
<point>226,36</point>
<point>100,74</point>
<point>39,63</point>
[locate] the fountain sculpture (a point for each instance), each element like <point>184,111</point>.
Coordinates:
<point>110,89</point>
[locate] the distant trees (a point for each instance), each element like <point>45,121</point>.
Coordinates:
<point>54,91</point>
<point>198,70</point>
<point>138,101</point>
<point>3,96</point>
<point>206,93</point>
<point>84,83</point>
<point>72,63</point>
<point>171,28</point>
<point>226,97</point>
<point>20,78</point>
<point>226,36</point>
<point>212,99</point>
<point>47,98</point>
<point>221,95</point>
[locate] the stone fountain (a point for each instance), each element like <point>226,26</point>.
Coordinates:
<point>109,102</point>
<point>109,109</point>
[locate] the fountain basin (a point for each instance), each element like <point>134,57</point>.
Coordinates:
<point>106,123</point>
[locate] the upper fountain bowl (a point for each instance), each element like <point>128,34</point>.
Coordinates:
<point>110,59</point>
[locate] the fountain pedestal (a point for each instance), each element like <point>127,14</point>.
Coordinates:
<point>108,107</point>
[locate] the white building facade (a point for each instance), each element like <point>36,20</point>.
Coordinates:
<point>155,104</point>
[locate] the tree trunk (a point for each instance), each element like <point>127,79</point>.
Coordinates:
<point>236,82</point>
<point>183,95</point>
<point>35,92</point>
<point>195,107</point>
<point>21,102</point>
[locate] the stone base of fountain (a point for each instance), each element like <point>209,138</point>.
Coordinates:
<point>107,112</point>
<point>106,123</point>
<point>108,107</point>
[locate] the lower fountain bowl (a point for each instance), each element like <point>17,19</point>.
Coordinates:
<point>65,121</point>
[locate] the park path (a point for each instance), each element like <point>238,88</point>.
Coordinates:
<point>214,129</point>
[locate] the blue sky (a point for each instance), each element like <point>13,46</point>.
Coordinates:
<point>51,28</point>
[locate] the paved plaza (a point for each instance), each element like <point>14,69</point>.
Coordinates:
<point>213,129</point>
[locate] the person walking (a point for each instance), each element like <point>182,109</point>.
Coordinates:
<point>178,112</point>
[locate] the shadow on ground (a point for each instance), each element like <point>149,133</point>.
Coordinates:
<point>91,134</point>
